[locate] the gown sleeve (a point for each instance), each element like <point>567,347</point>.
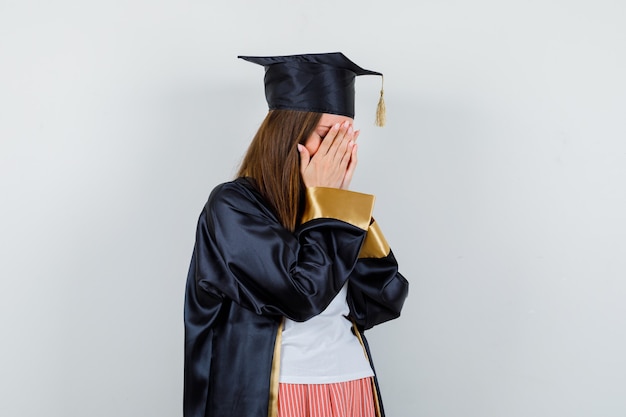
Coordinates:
<point>244,254</point>
<point>376,290</point>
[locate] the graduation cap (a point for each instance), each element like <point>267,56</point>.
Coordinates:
<point>322,83</point>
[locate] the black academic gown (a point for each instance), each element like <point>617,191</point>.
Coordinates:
<point>248,272</point>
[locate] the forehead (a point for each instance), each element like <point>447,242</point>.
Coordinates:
<point>331,119</point>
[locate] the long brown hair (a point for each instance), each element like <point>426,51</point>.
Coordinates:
<point>273,161</point>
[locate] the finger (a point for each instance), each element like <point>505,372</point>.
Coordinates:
<point>351,167</point>
<point>337,139</point>
<point>340,144</point>
<point>328,140</point>
<point>348,144</point>
<point>305,158</point>
<point>345,158</point>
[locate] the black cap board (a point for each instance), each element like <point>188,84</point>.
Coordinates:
<point>322,83</point>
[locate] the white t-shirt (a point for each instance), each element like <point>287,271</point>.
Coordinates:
<point>323,349</point>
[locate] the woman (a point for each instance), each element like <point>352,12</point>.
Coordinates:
<point>289,268</point>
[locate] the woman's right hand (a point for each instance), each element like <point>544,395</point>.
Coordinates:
<point>329,166</point>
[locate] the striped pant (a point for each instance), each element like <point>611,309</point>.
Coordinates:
<point>341,399</point>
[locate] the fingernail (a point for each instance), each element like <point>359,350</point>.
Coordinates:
<point>300,147</point>
<point>350,130</point>
<point>337,126</point>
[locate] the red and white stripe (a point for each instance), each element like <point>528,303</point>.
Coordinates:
<point>341,399</point>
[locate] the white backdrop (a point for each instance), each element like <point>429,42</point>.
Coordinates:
<point>500,183</point>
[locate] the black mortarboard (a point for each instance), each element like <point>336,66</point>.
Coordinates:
<point>321,83</point>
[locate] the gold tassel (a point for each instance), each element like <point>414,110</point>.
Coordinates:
<point>381,110</point>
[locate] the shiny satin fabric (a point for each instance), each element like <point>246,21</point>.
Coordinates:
<point>321,83</point>
<point>310,87</point>
<point>247,272</point>
<point>334,203</point>
<point>375,245</point>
